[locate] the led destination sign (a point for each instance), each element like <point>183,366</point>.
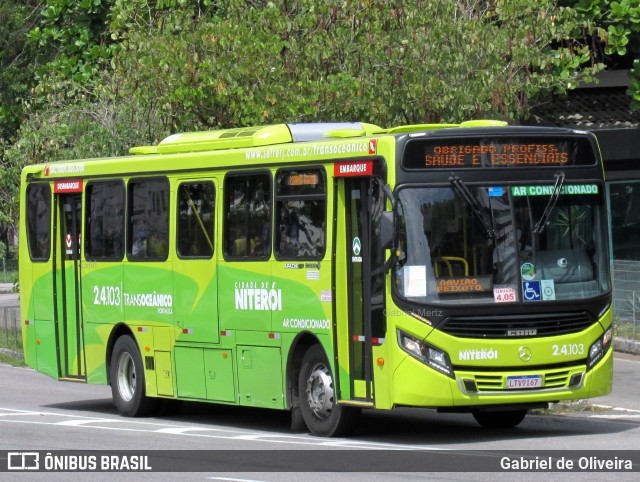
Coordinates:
<point>498,152</point>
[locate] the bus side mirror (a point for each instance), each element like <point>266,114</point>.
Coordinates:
<point>386,230</point>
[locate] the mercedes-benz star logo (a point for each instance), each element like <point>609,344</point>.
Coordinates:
<point>524,353</point>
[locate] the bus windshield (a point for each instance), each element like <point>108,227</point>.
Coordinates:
<point>501,243</point>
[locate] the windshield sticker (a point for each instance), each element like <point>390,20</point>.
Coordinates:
<point>415,281</point>
<point>528,271</point>
<point>495,191</point>
<point>548,190</point>
<point>464,284</point>
<point>531,291</point>
<point>504,294</point>
<point>548,289</point>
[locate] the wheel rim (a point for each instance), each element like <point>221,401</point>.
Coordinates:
<point>126,377</point>
<point>320,391</point>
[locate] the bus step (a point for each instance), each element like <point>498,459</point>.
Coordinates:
<point>356,403</point>
<point>73,379</point>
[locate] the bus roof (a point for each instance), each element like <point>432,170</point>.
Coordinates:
<point>245,137</point>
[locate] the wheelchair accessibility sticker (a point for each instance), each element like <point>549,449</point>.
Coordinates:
<point>531,291</point>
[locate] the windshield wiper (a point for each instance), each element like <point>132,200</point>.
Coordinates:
<point>553,199</point>
<point>462,189</point>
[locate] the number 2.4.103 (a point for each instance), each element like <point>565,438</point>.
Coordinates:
<point>568,349</point>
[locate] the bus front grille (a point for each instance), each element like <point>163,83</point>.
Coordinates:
<point>487,382</point>
<point>517,326</point>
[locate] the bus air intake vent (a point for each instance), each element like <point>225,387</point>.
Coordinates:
<point>248,132</point>
<point>517,326</point>
<point>149,363</point>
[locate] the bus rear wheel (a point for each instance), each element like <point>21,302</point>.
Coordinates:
<point>320,410</point>
<point>500,419</point>
<point>127,380</point>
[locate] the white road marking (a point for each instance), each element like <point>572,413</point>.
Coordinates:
<point>618,409</point>
<point>614,417</point>
<point>17,413</point>
<point>234,480</point>
<point>626,360</point>
<point>77,423</point>
<point>83,422</point>
<point>183,430</point>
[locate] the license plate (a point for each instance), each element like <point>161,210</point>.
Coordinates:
<point>528,381</point>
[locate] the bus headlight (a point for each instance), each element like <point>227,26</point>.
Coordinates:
<point>599,348</point>
<point>426,353</point>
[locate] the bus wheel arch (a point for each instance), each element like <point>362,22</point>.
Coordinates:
<point>317,399</point>
<point>127,377</point>
<point>119,330</point>
<point>302,342</point>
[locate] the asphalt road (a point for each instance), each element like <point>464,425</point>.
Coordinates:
<point>626,385</point>
<point>39,413</point>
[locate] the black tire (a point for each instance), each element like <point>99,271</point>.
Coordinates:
<point>127,380</point>
<point>320,412</point>
<point>500,419</point>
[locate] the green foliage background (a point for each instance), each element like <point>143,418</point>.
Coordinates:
<point>87,78</point>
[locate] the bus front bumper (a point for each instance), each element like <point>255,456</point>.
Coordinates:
<point>415,384</point>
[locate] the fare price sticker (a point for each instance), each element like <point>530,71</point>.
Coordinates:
<point>504,294</point>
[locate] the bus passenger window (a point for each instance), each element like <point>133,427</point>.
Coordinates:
<point>148,220</point>
<point>39,221</point>
<point>196,208</point>
<point>248,210</point>
<point>300,214</point>
<point>105,221</point>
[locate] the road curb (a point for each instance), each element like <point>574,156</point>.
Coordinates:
<point>6,288</point>
<point>625,345</point>
<point>17,355</point>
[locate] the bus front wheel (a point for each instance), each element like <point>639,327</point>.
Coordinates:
<point>320,410</point>
<point>127,380</point>
<point>500,419</point>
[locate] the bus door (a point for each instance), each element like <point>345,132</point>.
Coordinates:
<point>364,282</point>
<point>66,289</point>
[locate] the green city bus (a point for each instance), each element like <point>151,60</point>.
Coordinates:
<point>324,269</point>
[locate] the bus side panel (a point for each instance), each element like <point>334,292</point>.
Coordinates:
<point>144,337</point>
<point>205,374</point>
<point>247,296</point>
<point>96,337</point>
<point>148,293</point>
<point>306,298</point>
<point>29,343</point>
<point>260,377</point>
<point>102,308</point>
<point>45,337</point>
<point>47,362</point>
<point>26,310</point>
<point>42,291</point>
<point>195,302</point>
<point>190,372</point>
